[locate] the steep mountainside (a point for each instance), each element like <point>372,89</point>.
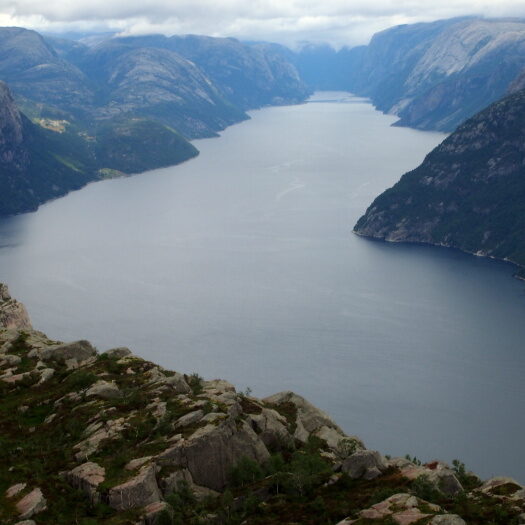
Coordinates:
<point>38,164</point>
<point>436,75</point>
<point>32,169</point>
<point>121,105</point>
<point>467,194</point>
<point>112,439</point>
<point>156,83</point>
<point>37,74</point>
<point>247,75</point>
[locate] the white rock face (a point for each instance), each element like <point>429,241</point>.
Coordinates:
<point>31,504</point>
<point>104,390</point>
<point>87,477</point>
<point>137,492</point>
<point>13,315</point>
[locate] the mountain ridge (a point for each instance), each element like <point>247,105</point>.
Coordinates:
<point>467,193</point>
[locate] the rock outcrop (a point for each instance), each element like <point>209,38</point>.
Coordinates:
<point>13,315</point>
<point>114,436</point>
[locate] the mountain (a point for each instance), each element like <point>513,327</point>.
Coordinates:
<point>155,83</point>
<point>38,76</point>
<point>110,438</point>
<point>467,194</point>
<point>32,167</point>
<point>436,75</point>
<point>249,75</point>
<point>122,105</point>
<point>45,161</point>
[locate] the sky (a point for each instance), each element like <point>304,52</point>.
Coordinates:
<point>289,22</point>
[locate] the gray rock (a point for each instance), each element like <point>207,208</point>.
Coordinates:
<point>26,522</point>
<point>137,463</point>
<point>210,457</point>
<point>139,491</point>
<point>87,477</point>
<point>14,490</point>
<point>309,418</point>
<point>366,464</point>
<point>118,353</point>
<point>189,419</point>
<point>46,374</point>
<point>10,360</point>
<point>81,351</point>
<point>31,504</point>
<point>219,385</point>
<point>177,383</point>
<point>173,481</point>
<point>446,481</point>
<point>154,511</point>
<point>13,315</point>
<point>447,519</point>
<point>271,428</point>
<point>104,390</point>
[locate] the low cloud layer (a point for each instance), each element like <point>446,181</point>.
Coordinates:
<point>340,22</point>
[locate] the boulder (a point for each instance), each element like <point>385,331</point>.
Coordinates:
<point>104,390</point>
<point>177,383</point>
<point>220,385</point>
<point>173,481</point>
<point>46,374</point>
<point>137,463</point>
<point>189,419</point>
<point>31,504</point>
<point>14,490</point>
<point>210,457</point>
<point>25,522</point>
<point>366,464</point>
<point>438,473</point>
<point>139,491</point>
<point>13,315</point>
<point>402,509</point>
<point>118,353</point>
<point>271,428</point>
<point>447,519</point>
<point>500,486</point>
<point>154,511</point>
<point>80,351</point>
<point>87,477</point>
<point>10,360</point>
<point>309,418</point>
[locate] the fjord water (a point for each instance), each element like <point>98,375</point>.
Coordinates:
<point>241,264</point>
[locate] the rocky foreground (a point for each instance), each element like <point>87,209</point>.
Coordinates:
<point>88,438</point>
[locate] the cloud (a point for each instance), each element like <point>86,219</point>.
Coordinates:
<point>339,22</point>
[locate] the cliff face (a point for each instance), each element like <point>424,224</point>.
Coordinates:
<point>13,315</point>
<point>436,75</point>
<point>467,194</point>
<point>113,439</point>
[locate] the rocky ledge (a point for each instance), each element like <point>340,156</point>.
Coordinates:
<point>111,438</point>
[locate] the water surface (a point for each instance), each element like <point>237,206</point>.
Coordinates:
<point>241,264</point>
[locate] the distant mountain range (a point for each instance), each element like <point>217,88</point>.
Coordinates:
<point>126,105</point>
<point>104,105</point>
<point>432,75</point>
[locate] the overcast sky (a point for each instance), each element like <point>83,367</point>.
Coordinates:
<point>338,22</point>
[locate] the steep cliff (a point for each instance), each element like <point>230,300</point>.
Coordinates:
<point>467,194</point>
<point>113,439</point>
<point>436,75</point>
<point>42,162</point>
